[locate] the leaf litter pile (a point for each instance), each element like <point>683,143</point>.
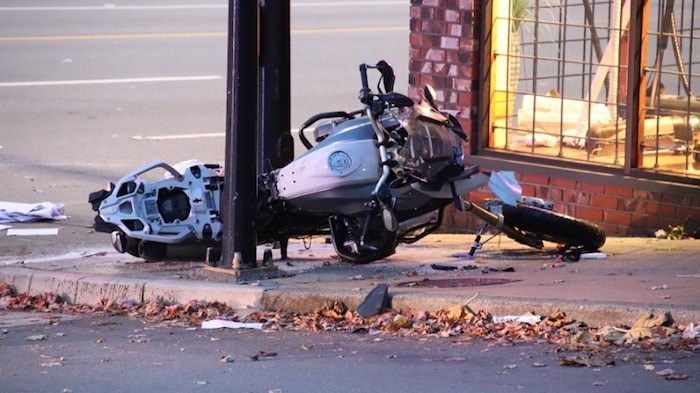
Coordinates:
<point>649,332</point>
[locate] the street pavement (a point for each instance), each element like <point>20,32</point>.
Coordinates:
<point>634,277</point>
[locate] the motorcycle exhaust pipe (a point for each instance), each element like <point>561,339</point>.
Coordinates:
<point>497,221</point>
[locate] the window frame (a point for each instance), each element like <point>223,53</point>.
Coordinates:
<point>632,174</point>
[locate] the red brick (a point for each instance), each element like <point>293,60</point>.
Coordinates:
<point>563,183</point>
<point>632,205</point>
<point>419,40</point>
<point>589,213</point>
<point>528,189</point>
<point>683,212</point>
<point>452,16</point>
<point>604,202</point>
<point>617,217</point>
<point>696,201</point>
<point>455,30</point>
<point>465,4</point>
<point>460,84</point>
<point>686,200</point>
<point>556,194</point>
<point>651,223</point>
<point>465,99</point>
<point>435,55</point>
<point>535,179</point>
<point>589,187</point>
<point>641,194</point>
<point>621,191</point>
<point>609,229</point>
<point>661,209</point>
<point>576,197</point>
<point>674,199</point>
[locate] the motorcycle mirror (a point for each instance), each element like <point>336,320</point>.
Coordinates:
<point>390,221</point>
<point>388,75</point>
<point>429,94</point>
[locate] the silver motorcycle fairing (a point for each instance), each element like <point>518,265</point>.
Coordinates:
<point>329,166</point>
<point>142,209</point>
<point>461,186</point>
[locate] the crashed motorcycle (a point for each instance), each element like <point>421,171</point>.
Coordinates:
<point>370,180</point>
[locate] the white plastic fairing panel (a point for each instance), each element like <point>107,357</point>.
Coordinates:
<point>335,165</point>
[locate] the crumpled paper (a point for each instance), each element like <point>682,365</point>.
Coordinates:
<point>29,212</point>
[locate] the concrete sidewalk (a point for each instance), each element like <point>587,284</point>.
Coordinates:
<point>639,275</point>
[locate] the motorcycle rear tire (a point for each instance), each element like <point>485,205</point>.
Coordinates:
<point>383,247</point>
<point>554,227</point>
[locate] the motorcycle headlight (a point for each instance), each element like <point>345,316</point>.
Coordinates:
<point>430,150</point>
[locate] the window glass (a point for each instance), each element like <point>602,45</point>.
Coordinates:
<point>559,82</point>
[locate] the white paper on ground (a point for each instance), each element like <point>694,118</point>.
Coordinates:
<point>28,212</point>
<point>221,323</point>
<point>529,319</point>
<point>594,255</point>
<point>3,227</point>
<point>32,232</point>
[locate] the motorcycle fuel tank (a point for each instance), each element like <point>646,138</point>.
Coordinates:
<point>346,158</point>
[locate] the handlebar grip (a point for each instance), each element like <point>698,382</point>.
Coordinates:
<point>364,93</point>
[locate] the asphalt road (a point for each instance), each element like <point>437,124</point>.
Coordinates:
<point>91,91</point>
<point>54,353</point>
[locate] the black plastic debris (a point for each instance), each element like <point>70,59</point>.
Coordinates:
<point>494,270</point>
<point>376,302</point>
<point>443,267</point>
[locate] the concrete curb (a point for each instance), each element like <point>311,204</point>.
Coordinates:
<point>595,314</point>
<point>92,289</point>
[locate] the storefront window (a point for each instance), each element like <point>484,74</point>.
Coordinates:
<point>559,82</point>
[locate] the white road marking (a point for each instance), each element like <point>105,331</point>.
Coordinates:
<point>294,131</point>
<point>114,7</point>
<point>110,81</point>
<point>178,136</point>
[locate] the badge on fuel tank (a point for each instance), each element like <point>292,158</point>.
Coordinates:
<point>339,162</point>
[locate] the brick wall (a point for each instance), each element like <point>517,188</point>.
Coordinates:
<point>616,210</point>
<point>444,54</point>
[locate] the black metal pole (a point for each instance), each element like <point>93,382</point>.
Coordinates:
<point>240,181</point>
<point>276,143</point>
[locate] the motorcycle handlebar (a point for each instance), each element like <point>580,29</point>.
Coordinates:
<point>364,93</point>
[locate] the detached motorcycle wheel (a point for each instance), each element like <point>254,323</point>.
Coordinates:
<point>554,227</point>
<point>347,231</point>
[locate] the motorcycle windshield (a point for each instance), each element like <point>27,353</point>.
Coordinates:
<point>431,151</point>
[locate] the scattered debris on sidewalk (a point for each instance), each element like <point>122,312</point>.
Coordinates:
<point>30,212</point>
<point>670,375</point>
<point>689,229</point>
<point>376,302</point>
<point>262,354</point>
<point>32,232</point>
<point>651,331</point>
<point>530,319</point>
<point>36,337</point>
<point>221,323</point>
<point>585,361</point>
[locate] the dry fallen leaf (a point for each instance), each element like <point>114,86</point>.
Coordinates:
<point>648,332</point>
<point>584,361</point>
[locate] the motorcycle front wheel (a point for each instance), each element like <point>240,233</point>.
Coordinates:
<point>346,233</point>
<point>554,227</point>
